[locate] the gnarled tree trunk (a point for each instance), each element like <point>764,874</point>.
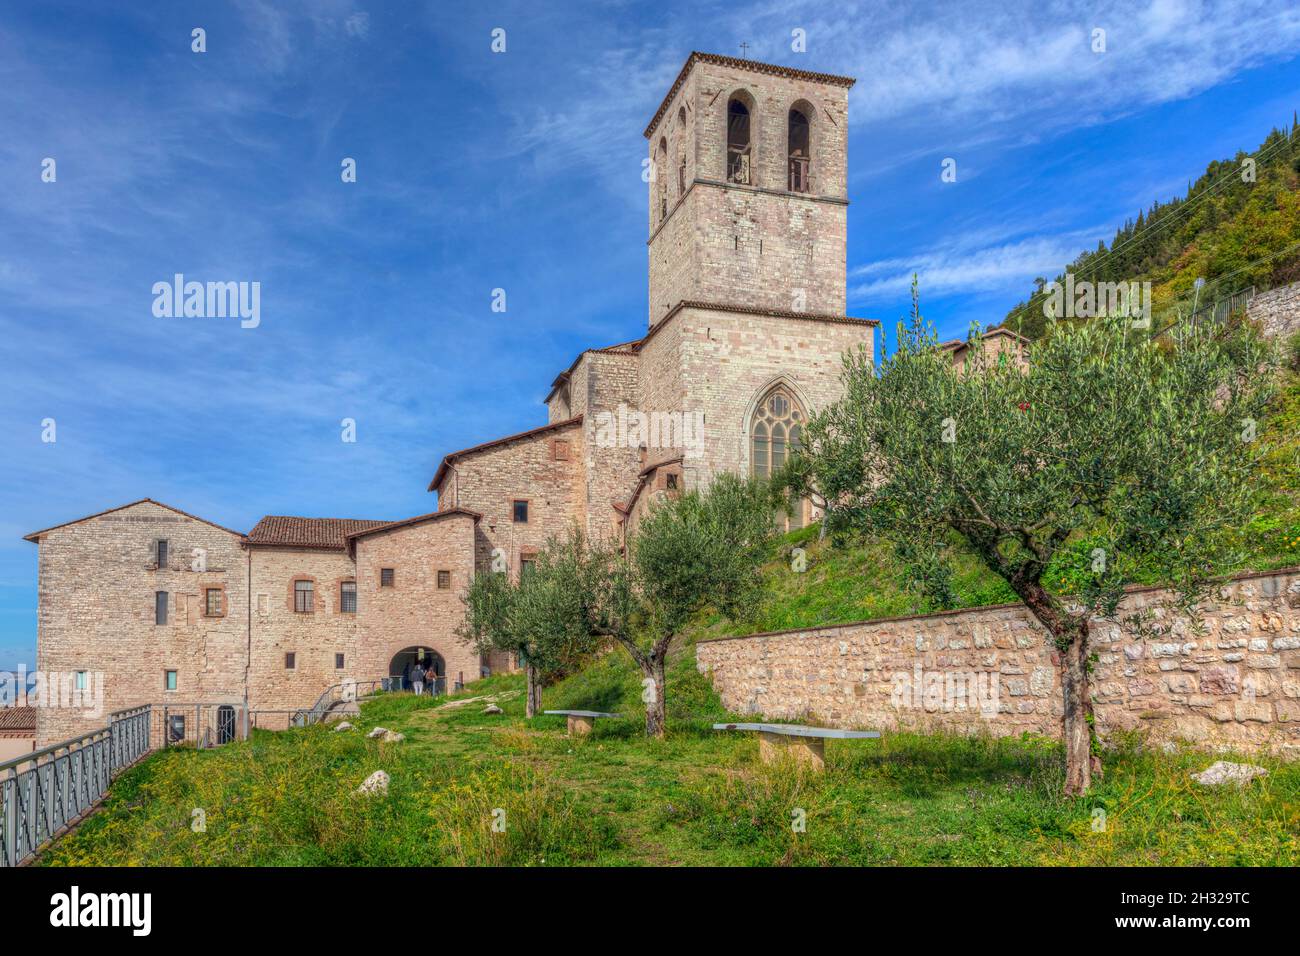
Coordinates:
<point>1070,637</point>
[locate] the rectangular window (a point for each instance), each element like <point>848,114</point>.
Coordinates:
<point>386,577</point>
<point>80,680</point>
<point>561,450</point>
<point>212,602</point>
<point>338,662</point>
<point>672,482</point>
<point>525,567</point>
<point>521,511</point>
<point>302,594</point>
<point>169,680</point>
<point>444,580</point>
<point>162,552</point>
<point>160,607</point>
<point>348,597</point>
<point>176,728</point>
<point>290,661</point>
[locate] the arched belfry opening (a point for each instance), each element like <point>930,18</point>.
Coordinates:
<point>681,152</point>
<point>799,148</point>
<point>739,147</point>
<point>661,180</point>
<point>775,433</point>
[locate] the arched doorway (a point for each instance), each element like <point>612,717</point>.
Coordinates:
<point>403,661</point>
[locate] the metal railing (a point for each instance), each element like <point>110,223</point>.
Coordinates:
<point>44,793</point>
<point>347,691</point>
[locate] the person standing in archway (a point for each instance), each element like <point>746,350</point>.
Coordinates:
<point>417,678</point>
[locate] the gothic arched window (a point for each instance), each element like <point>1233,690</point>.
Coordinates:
<point>800,156</point>
<point>738,145</point>
<point>776,433</point>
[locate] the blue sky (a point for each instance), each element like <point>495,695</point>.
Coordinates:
<point>518,171</point>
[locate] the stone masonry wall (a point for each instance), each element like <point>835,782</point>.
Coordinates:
<point>96,581</point>
<point>415,612</point>
<point>1277,311</point>
<point>314,638</point>
<point>489,481</point>
<point>730,360</point>
<point>1235,684</point>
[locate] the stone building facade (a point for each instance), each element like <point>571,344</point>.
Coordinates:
<point>746,261</point>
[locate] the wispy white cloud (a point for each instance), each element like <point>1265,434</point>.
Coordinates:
<point>969,264</point>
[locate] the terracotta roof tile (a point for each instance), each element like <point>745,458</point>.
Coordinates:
<point>18,718</point>
<point>329,534</point>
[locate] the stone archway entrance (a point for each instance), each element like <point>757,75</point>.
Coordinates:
<point>408,657</point>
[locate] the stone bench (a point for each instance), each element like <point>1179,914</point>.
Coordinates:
<point>805,744</point>
<point>580,721</point>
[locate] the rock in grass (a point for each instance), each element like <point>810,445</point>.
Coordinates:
<point>492,709</point>
<point>377,732</point>
<point>393,737</point>
<point>377,782</point>
<point>344,725</point>
<point>1223,771</point>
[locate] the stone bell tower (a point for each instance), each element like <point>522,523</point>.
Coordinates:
<point>748,194</point>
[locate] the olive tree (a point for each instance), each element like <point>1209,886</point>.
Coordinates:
<point>1142,449</point>
<point>540,618</point>
<point>696,550</point>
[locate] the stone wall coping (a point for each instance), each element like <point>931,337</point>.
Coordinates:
<point>1131,589</point>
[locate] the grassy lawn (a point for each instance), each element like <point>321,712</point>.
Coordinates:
<point>696,798</point>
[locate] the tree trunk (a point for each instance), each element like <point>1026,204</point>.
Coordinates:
<point>533,691</point>
<point>1078,708</point>
<point>1070,637</point>
<point>653,695</point>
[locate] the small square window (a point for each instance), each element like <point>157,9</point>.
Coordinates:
<point>161,552</point>
<point>160,607</point>
<point>386,577</point>
<point>671,482</point>
<point>212,602</point>
<point>169,680</point>
<point>348,597</point>
<point>444,580</point>
<point>338,662</point>
<point>302,596</point>
<point>561,448</point>
<point>521,511</point>
<point>290,661</point>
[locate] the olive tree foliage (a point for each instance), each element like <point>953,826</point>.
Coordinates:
<point>540,617</point>
<point>1146,449</point>
<point>699,549</point>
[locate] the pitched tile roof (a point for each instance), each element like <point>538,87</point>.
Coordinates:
<point>18,718</point>
<point>35,535</point>
<point>328,534</point>
<point>418,519</point>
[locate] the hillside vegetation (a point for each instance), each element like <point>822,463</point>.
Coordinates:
<point>1229,230</point>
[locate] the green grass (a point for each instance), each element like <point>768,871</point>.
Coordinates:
<point>696,798</point>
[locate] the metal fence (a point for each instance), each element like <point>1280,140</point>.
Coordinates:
<point>45,792</point>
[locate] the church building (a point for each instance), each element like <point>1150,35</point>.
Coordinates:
<point>746,232</point>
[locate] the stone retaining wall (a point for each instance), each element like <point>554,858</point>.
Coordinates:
<point>1235,682</point>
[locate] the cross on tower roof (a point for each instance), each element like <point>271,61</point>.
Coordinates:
<point>744,50</point>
